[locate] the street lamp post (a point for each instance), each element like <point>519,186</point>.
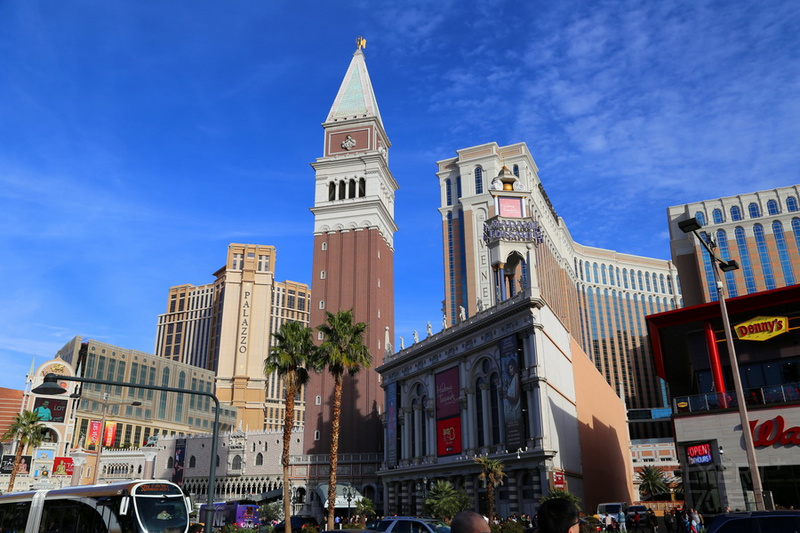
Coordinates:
<point>50,386</point>
<point>691,226</point>
<point>348,494</point>
<point>103,432</point>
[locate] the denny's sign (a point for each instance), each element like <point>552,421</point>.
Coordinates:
<point>762,328</point>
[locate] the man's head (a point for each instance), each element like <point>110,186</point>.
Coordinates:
<point>469,522</point>
<point>558,515</point>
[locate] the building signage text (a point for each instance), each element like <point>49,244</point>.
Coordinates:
<point>512,230</point>
<point>699,454</point>
<point>762,328</point>
<point>244,324</point>
<point>774,432</point>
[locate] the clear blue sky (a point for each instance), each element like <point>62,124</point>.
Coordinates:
<point>139,138</point>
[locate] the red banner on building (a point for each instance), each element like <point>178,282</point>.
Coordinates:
<point>109,434</point>
<point>62,466</point>
<point>448,436</point>
<point>93,433</point>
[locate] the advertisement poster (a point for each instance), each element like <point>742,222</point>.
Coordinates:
<point>109,434</point>
<point>45,456</point>
<point>7,465</point>
<point>50,410</point>
<point>511,393</point>
<point>62,466</point>
<point>177,465</point>
<point>391,426</point>
<point>93,433</point>
<point>448,436</point>
<point>447,394</point>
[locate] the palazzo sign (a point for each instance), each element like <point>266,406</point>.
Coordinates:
<point>774,432</point>
<point>762,328</point>
<point>244,323</point>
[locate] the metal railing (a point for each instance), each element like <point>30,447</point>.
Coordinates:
<point>717,401</point>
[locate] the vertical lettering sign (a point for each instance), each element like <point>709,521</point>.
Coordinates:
<point>391,427</point>
<point>511,392</point>
<point>244,318</point>
<point>109,434</point>
<point>448,413</point>
<point>93,433</point>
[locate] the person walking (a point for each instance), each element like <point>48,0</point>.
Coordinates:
<point>621,521</point>
<point>669,520</point>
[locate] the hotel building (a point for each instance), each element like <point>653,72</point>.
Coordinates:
<point>226,326</point>
<point>759,230</point>
<point>601,296</point>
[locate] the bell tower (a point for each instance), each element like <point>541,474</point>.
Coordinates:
<point>353,262</point>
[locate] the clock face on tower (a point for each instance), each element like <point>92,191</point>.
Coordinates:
<point>510,207</point>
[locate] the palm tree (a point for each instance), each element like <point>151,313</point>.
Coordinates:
<point>343,350</point>
<point>292,352</point>
<point>563,494</point>
<point>364,508</point>
<point>445,501</point>
<point>27,430</point>
<point>652,481</point>
<point>493,475</point>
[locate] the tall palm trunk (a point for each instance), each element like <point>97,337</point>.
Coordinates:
<point>288,422</point>
<point>17,458</point>
<point>337,409</point>
<point>490,497</point>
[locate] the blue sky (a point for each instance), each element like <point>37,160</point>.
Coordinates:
<point>138,139</point>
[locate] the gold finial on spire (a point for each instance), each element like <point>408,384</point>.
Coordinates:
<point>361,43</point>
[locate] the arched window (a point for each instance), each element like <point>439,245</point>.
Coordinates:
<point>744,257</point>
<point>351,193</point>
<point>170,463</point>
<point>217,461</point>
<point>625,277</point>
<point>494,397</point>
<point>647,280</point>
<point>479,414</point>
<point>791,204</point>
<point>763,256</point>
<point>796,231</point>
<point>661,282</point>
<point>641,281</point>
<point>162,404</point>
<point>179,397</point>
<point>478,180</point>
<point>362,187</point>
<point>772,207</point>
<point>342,190</point>
<point>701,218</point>
<point>717,216</point>
<point>458,186</point>
<point>736,213</point>
<point>448,192</point>
<point>596,273</point>
<point>192,461</point>
<point>724,252</point>
<point>515,170</point>
<point>603,273</point>
<point>783,253</point>
<point>331,191</point>
<point>753,210</point>
<point>236,464</point>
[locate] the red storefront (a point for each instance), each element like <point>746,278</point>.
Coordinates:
<point>691,354</point>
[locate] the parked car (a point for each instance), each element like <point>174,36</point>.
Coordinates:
<point>299,523</point>
<point>410,524</point>
<point>756,522</point>
<point>632,511</point>
<point>610,507</point>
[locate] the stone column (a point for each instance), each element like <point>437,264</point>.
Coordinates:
<point>149,462</point>
<point>470,436</point>
<point>487,409</point>
<point>78,462</point>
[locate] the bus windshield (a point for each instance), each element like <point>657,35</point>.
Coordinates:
<point>162,515</point>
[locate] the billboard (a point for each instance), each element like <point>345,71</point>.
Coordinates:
<point>448,436</point>
<point>109,434</point>
<point>447,393</point>
<point>50,410</point>
<point>62,466</point>
<point>511,393</point>
<point>93,433</point>
<point>177,465</point>
<point>391,425</point>
<point>7,465</point>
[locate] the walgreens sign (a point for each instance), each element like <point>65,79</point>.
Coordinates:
<point>774,432</point>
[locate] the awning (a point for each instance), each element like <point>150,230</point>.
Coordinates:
<point>271,495</point>
<point>341,498</point>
